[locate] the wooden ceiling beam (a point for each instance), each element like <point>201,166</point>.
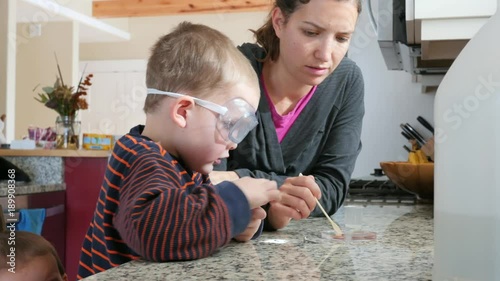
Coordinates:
<point>149,8</point>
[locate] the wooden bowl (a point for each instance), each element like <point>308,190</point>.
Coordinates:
<point>414,178</point>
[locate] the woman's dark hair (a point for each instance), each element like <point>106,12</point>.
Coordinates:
<point>265,35</point>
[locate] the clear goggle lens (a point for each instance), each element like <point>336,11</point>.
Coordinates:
<point>238,121</point>
<point>236,117</point>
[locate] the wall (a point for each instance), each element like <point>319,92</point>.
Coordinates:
<point>8,64</point>
<point>36,65</point>
<point>145,31</point>
<point>390,97</point>
<point>115,107</point>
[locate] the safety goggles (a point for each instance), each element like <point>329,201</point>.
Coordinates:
<point>236,117</point>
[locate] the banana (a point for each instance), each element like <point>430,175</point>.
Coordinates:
<point>417,156</point>
<point>422,158</point>
<point>413,157</point>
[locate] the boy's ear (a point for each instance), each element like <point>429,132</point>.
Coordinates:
<point>180,110</point>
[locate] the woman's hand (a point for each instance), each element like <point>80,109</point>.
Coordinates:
<point>298,199</point>
<point>217,177</point>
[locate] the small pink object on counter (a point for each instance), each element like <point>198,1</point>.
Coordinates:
<point>348,235</point>
<point>44,137</point>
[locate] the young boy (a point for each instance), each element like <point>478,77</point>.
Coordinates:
<point>157,202</point>
<point>34,258</point>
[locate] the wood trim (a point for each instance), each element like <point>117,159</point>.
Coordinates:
<point>146,8</point>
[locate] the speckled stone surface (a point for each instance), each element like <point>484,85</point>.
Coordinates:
<point>41,170</point>
<point>402,250</point>
<point>29,188</point>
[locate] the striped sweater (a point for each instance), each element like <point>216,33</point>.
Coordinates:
<point>151,207</point>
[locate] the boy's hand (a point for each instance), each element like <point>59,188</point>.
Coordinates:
<point>258,191</point>
<point>258,214</point>
<point>217,177</point>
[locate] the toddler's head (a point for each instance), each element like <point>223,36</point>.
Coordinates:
<point>26,256</point>
<point>202,95</point>
<point>196,60</point>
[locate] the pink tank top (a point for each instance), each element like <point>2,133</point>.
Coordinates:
<point>284,122</point>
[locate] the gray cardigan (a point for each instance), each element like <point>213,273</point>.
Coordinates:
<point>324,141</point>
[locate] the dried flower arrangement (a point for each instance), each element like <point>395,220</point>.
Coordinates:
<point>63,98</point>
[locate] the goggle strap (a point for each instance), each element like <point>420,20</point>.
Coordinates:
<point>206,104</point>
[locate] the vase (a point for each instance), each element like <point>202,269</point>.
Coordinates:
<point>68,132</point>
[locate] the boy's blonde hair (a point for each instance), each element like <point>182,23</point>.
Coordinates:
<point>195,59</point>
<point>27,247</point>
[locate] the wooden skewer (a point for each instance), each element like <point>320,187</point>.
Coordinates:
<point>334,225</point>
<point>336,228</point>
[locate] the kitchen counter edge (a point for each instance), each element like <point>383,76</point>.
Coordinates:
<point>55,152</point>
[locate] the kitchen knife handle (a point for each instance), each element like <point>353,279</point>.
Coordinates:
<point>415,133</point>
<point>408,137</point>
<point>426,124</point>
<point>420,140</point>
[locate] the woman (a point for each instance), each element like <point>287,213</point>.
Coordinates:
<point>311,108</point>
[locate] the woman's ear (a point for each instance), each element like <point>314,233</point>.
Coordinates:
<point>65,277</point>
<point>180,110</point>
<point>278,21</point>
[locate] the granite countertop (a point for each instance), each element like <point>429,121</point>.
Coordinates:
<point>46,175</point>
<point>402,250</point>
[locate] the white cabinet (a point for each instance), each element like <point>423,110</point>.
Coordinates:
<point>432,9</point>
<point>452,19</point>
<point>444,27</point>
<point>432,35</point>
<point>116,97</point>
